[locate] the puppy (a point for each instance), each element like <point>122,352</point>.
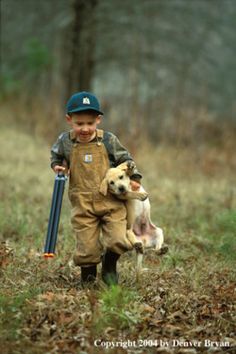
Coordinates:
<point>117,182</point>
<point>141,232</point>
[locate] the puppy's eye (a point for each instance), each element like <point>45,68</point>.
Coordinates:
<point>121,177</point>
<point>112,182</point>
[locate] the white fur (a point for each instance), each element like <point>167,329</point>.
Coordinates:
<point>144,229</point>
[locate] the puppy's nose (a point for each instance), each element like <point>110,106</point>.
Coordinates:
<point>121,189</point>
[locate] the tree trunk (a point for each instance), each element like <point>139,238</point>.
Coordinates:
<point>1,73</point>
<point>82,40</point>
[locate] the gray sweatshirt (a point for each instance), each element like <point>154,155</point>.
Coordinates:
<point>116,152</point>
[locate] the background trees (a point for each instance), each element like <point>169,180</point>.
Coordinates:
<point>162,68</point>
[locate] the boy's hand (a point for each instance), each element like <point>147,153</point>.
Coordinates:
<point>59,168</point>
<point>134,185</point>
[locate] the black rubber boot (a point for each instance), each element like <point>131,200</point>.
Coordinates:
<point>109,273</point>
<point>88,274</point>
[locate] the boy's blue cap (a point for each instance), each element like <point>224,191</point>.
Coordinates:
<point>83,101</point>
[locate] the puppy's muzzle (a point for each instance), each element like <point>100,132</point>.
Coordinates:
<point>122,189</point>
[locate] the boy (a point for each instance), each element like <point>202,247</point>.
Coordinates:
<point>89,153</point>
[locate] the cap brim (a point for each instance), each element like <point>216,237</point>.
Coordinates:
<point>85,109</point>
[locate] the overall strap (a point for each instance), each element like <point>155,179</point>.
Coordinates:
<point>72,134</point>
<point>100,134</point>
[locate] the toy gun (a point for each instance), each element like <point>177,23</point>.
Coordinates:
<point>54,218</point>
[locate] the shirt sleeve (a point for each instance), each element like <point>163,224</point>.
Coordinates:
<point>57,152</point>
<point>120,154</point>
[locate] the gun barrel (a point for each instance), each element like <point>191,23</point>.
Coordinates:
<point>54,217</point>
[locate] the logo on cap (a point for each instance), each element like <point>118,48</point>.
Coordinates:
<point>86,100</point>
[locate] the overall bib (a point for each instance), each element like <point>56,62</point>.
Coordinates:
<point>98,221</point>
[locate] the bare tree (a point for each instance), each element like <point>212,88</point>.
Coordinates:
<point>0,37</point>
<point>81,46</point>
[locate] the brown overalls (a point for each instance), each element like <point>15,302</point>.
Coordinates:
<point>92,213</point>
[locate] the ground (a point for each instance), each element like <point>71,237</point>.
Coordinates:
<point>183,303</point>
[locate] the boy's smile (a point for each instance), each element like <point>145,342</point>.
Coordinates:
<point>84,125</point>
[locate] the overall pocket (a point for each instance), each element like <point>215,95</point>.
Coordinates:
<point>79,199</point>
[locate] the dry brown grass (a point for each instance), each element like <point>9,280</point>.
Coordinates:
<point>188,294</point>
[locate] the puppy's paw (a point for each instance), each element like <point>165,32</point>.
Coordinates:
<point>143,196</point>
<point>139,247</point>
<point>163,250</point>
<point>130,165</point>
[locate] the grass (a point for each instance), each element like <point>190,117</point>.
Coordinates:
<point>117,309</point>
<point>188,293</point>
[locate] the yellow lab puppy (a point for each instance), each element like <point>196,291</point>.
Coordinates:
<point>141,232</point>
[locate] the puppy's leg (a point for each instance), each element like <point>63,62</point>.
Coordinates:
<point>138,245</point>
<point>136,195</point>
<point>139,263</point>
<point>159,236</point>
<point>162,248</point>
<point>130,207</point>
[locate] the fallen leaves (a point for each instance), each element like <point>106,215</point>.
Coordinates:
<point>60,316</point>
<point>6,254</point>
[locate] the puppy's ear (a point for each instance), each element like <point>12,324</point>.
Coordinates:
<point>103,187</point>
<point>123,166</point>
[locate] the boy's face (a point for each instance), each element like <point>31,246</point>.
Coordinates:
<point>84,125</point>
